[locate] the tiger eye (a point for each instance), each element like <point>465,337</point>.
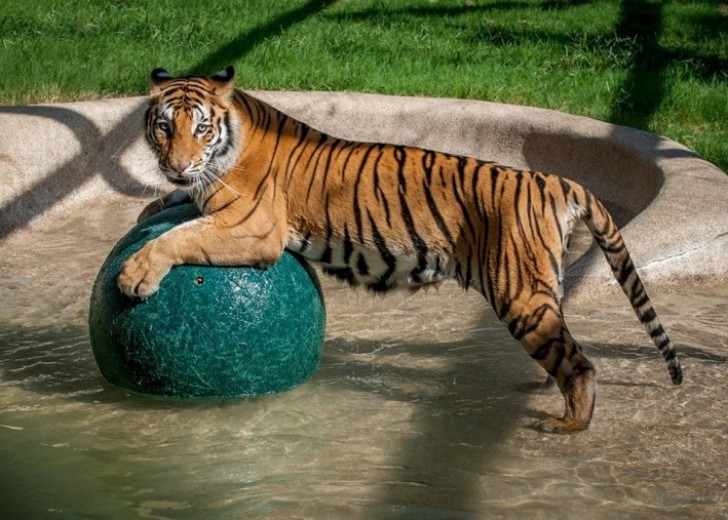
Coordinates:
<point>162,126</point>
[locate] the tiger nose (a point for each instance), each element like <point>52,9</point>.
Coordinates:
<point>179,166</point>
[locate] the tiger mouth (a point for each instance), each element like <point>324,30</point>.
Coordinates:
<point>181,182</point>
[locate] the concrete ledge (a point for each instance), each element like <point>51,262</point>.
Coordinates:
<point>672,205</point>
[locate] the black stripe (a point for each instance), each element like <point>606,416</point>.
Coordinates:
<point>248,214</point>
<point>624,271</point>
<point>641,300</point>
<point>332,148</point>
<point>428,161</point>
<point>541,183</point>
<point>306,242</point>
<point>419,244</point>
<point>361,265</point>
<point>281,124</point>
<point>244,100</point>
<point>378,192</point>
<point>474,184</point>
<point>589,200</point>
<point>348,246</point>
<point>649,316</point>
<point>664,344</point>
<point>524,325</point>
<point>560,352</point>
<point>555,262</point>
<point>345,274</point>
<point>494,174</point>
<point>517,195</point>
<point>464,211</point>
<point>469,268</point>
<point>556,215</point>
<point>289,171</point>
<point>542,351</point>
<point>635,287</point>
<point>228,203</point>
<point>230,137</point>
<point>355,198</point>
<point>346,161</point>
<point>326,255</point>
<point>324,138</point>
<point>400,156</point>
<point>437,216</point>
<point>387,257</point>
<point>565,188</point>
<point>184,90</point>
<point>659,331</point>
<point>210,196</point>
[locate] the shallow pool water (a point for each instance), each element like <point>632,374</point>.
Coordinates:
<point>423,407</point>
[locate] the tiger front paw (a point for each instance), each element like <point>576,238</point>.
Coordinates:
<point>142,273</point>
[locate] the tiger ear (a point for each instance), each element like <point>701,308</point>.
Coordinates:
<point>157,79</point>
<point>225,81</point>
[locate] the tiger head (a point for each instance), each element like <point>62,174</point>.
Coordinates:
<point>192,127</point>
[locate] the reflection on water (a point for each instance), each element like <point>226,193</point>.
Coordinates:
<point>422,408</point>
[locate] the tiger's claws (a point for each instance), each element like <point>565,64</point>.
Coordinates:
<point>142,273</point>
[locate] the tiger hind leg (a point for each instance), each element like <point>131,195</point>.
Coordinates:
<point>542,332</point>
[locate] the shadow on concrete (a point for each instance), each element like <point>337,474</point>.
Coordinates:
<point>75,172</point>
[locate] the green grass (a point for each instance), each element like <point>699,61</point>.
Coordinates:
<point>657,65</point>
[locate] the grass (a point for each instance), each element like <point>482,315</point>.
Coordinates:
<point>657,65</point>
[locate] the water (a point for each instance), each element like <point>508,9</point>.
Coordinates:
<point>423,408</point>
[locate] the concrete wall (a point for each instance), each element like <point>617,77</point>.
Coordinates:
<point>673,205</point>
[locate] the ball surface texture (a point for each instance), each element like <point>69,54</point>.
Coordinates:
<point>209,332</point>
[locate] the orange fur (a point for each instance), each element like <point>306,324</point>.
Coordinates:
<point>378,215</point>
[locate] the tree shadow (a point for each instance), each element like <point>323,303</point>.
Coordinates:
<point>376,14</point>
<point>636,33</point>
<point>246,41</point>
<point>99,154</point>
<point>643,89</point>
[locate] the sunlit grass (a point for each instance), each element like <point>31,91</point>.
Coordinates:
<point>656,65</point>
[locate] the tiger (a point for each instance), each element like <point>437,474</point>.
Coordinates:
<point>380,216</point>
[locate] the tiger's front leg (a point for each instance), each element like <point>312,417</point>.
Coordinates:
<point>199,242</point>
<point>143,271</point>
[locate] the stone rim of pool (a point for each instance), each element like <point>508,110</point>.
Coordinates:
<point>670,203</point>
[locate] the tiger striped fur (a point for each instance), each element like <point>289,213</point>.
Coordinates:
<point>380,216</point>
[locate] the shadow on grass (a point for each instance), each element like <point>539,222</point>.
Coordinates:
<point>636,34</point>
<point>248,40</point>
<point>644,87</point>
<point>375,14</point>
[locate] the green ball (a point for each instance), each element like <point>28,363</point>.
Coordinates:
<point>209,332</point>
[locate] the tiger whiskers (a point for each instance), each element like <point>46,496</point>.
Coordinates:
<point>213,175</point>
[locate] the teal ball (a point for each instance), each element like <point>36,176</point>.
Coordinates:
<point>209,332</point>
